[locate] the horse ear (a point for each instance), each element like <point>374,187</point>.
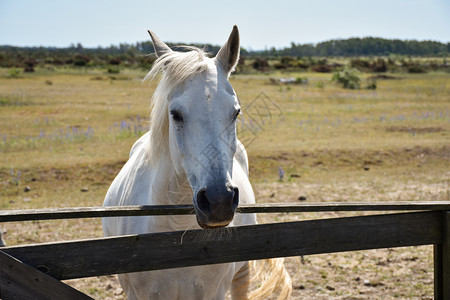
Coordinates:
<point>160,47</point>
<point>228,55</point>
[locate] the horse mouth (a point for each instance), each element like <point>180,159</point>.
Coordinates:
<point>212,225</point>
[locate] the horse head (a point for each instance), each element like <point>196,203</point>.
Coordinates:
<point>201,112</point>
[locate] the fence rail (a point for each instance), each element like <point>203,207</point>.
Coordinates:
<point>133,253</point>
<point>157,210</point>
<point>426,223</point>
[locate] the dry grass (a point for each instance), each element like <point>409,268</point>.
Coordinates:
<point>334,144</point>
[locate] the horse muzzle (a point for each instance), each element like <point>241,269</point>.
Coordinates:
<point>215,206</point>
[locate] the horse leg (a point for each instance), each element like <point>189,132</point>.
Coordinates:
<point>126,287</point>
<point>240,283</point>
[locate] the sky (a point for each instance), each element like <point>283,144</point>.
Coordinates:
<point>262,24</point>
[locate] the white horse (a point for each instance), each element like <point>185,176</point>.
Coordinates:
<point>190,155</point>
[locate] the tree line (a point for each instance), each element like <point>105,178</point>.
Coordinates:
<point>368,46</point>
<point>297,55</point>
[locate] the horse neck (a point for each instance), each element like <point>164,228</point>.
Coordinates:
<point>168,186</point>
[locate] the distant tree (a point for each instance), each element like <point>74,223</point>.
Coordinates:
<point>79,47</point>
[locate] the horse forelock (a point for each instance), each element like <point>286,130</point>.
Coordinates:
<point>175,68</point>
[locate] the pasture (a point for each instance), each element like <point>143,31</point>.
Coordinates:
<point>65,134</point>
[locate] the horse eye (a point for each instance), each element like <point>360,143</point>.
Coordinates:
<point>238,112</point>
<point>176,116</point>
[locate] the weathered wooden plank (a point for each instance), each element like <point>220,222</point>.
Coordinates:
<point>201,247</point>
<point>442,261</point>
<point>22,282</point>
<point>93,212</point>
<point>115,211</point>
<point>345,206</point>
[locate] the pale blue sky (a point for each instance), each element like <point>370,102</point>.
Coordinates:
<point>262,23</point>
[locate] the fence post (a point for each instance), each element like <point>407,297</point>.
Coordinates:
<point>442,261</point>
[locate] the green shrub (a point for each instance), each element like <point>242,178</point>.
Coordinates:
<point>360,64</point>
<point>372,85</point>
<point>115,61</point>
<point>322,69</point>
<point>348,78</point>
<point>416,69</point>
<point>80,60</point>
<point>261,64</point>
<point>14,73</point>
<point>113,70</point>
<point>3,101</point>
<point>301,80</point>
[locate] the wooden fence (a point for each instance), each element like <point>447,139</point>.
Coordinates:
<point>34,271</point>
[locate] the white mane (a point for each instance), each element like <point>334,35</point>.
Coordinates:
<point>175,67</point>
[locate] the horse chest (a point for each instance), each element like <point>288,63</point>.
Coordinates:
<point>192,283</point>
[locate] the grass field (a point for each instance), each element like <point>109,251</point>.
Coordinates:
<point>65,135</point>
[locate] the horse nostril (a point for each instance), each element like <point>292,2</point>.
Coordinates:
<point>216,206</point>
<point>203,202</point>
<point>235,198</point>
